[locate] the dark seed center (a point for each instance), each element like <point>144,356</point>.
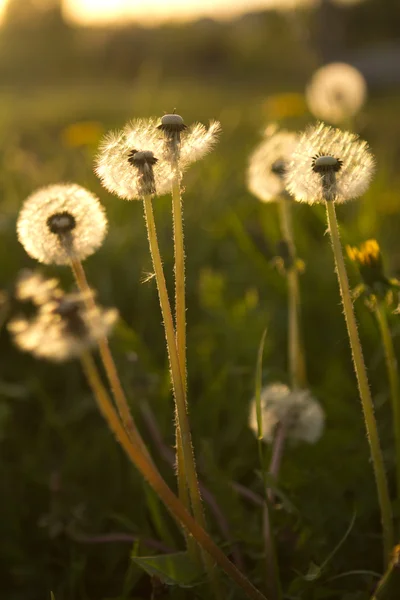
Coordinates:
<point>326,164</point>
<point>138,158</point>
<point>279,167</point>
<point>61,223</point>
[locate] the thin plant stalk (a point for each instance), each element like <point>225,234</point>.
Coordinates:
<point>108,361</point>
<point>182,419</point>
<point>147,469</point>
<point>272,583</point>
<point>394,381</point>
<point>363,385</point>
<point>297,367</point>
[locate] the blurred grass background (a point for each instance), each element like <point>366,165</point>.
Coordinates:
<point>63,480</point>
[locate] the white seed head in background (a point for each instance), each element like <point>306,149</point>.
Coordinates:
<point>297,410</point>
<point>267,164</point>
<point>129,163</point>
<point>336,92</point>
<point>63,328</point>
<point>322,149</point>
<point>33,286</point>
<point>191,142</point>
<point>60,220</point>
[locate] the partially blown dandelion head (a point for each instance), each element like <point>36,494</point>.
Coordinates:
<point>63,327</point>
<point>296,410</point>
<point>329,164</point>
<point>336,92</point>
<point>60,221</point>
<point>129,161</point>
<point>268,163</point>
<point>187,143</point>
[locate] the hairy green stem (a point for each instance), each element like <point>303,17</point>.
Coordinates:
<point>146,468</point>
<point>295,346</point>
<point>363,385</point>
<point>393,375</point>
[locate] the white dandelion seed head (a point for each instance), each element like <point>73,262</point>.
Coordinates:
<point>348,156</point>
<point>63,328</point>
<point>336,92</point>
<point>60,220</point>
<point>33,286</point>
<point>197,140</point>
<point>116,169</point>
<point>297,410</point>
<point>267,164</point>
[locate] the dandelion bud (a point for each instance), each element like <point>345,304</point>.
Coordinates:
<point>368,259</point>
<point>267,164</point>
<point>328,164</point>
<point>62,328</point>
<point>61,221</point>
<point>296,410</point>
<point>336,92</point>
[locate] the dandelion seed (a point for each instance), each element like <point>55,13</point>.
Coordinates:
<point>187,143</point>
<point>62,328</point>
<point>329,164</point>
<point>129,164</point>
<point>336,92</point>
<point>267,164</point>
<point>60,221</point>
<point>297,410</point>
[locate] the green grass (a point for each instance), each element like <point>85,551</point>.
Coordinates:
<point>61,471</point>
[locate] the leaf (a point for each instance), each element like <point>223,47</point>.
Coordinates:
<point>172,569</point>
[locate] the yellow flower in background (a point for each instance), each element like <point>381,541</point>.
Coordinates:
<point>281,106</point>
<point>83,133</point>
<point>368,259</point>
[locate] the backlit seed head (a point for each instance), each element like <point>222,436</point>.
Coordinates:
<point>61,220</point>
<point>129,161</point>
<point>62,328</point>
<point>336,92</point>
<point>297,410</point>
<point>34,287</point>
<point>328,162</point>
<point>267,164</point>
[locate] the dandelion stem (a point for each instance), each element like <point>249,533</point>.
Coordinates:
<point>146,468</point>
<point>108,361</point>
<point>183,427</point>
<point>363,386</point>
<point>393,374</point>
<point>295,346</point>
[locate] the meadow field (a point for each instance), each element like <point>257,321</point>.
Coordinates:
<point>73,510</point>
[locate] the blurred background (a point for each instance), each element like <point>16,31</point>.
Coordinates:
<point>71,506</point>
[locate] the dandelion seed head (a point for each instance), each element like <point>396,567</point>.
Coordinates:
<point>124,154</point>
<point>62,328</point>
<point>267,164</point>
<point>61,220</point>
<point>336,92</point>
<point>329,162</point>
<point>33,286</point>
<point>297,410</point>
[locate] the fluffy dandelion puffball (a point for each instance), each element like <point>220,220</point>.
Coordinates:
<point>60,221</point>
<point>329,163</point>
<point>187,143</point>
<point>297,410</point>
<point>33,286</point>
<point>62,328</point>
<point>336,92</point>
<point>267,164</point>
<point>130,162</point>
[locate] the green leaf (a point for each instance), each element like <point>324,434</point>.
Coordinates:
<point>172,569</point>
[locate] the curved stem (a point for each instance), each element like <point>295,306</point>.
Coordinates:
<point>108,361</point>
<point>146,468</point>
<point>295,346</point>
<point>363,385</point>
<point>393,374</point>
